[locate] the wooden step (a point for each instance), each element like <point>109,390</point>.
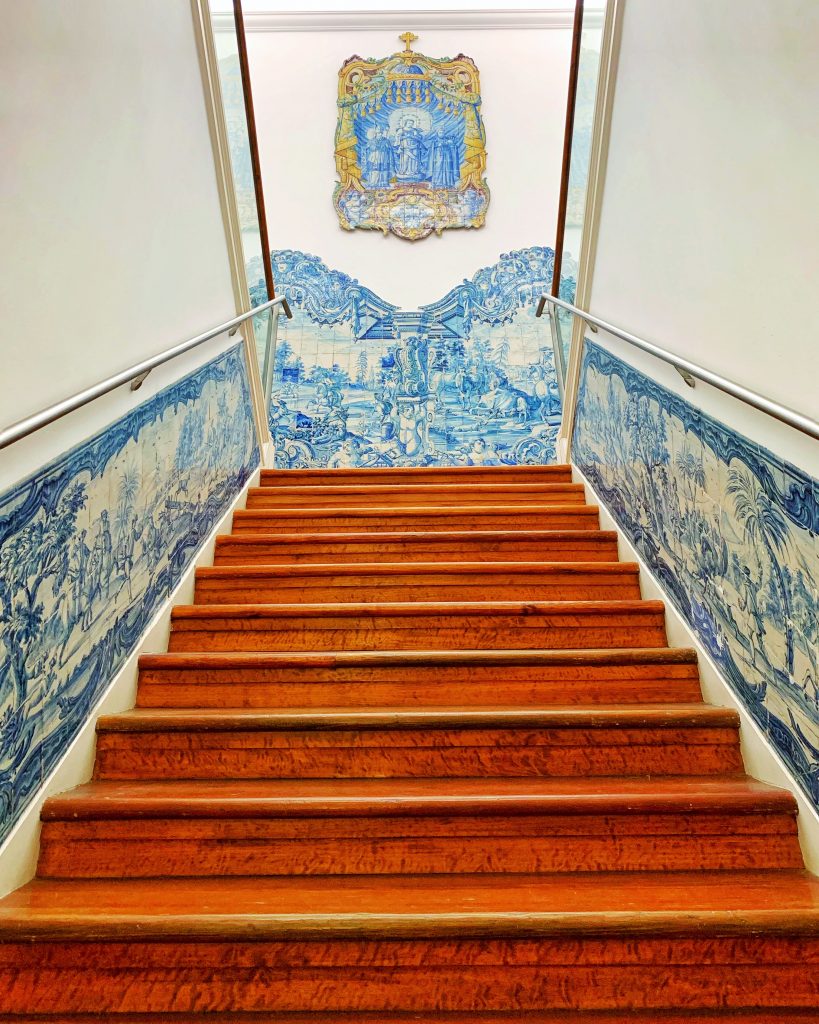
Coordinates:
<point>392,626</point>
<point>396,742</point>
<point>426,494</point>
<point>438,1017</point>
<point>457,546</point>
<point>416,475</point>
<point>416,826</point>
<point>723,942</point>
<point>418,678</point>
<point>420,581</point>
<point>441,518</point>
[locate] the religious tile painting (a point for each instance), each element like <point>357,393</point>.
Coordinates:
<point>410,144</point>
<point>728,528</point>
<point>90,548</point>
<point>466,380</point>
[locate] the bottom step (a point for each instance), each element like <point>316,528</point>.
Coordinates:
<point>721,941</point>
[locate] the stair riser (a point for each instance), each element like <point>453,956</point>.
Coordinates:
<point>413,475</point>
<point>419,632</point>
<point>371,589</point>
<point>479,975</point>
<point>160,847</point>
<point>409,753</point>
<point>435,521</point>
<point>234,551</point>
<point>427,476</point>
<point>408,685</point>
<point>428,495</point>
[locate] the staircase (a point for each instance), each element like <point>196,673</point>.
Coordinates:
<point>417,752</point>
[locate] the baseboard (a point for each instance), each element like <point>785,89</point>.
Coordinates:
<point>18,854</point>
<point>761,759</point>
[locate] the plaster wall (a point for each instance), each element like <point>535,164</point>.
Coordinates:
<point>114,242</point>
<point>710,210</point>
<point>523,85</point>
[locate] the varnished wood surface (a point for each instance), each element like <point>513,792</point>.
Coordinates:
<point>395,742</point>
<point>417,678</point>
<point>453,546</point>
<point>688,903</point>
<point>438,518</point>
<point>426,581</point>
<point>692,717</point>
<point>368,797</point>
<point>418,625</point>
<point>468,495</point>
<point>410,474</point>
<point>414,757</point>
<point>442,1017</point>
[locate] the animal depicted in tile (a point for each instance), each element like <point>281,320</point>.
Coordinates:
<point>728,528</point>
<point>90,547</point>
<point>466,380</point>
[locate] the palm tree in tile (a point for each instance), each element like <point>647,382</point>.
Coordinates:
<point>764,523</point>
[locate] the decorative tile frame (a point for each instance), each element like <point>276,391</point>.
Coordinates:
<point>93,544</point>
<point>728,528</point>
<point>466,380</point>
<point>410,144</point>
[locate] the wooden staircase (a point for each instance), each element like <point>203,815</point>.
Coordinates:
<point>419,753</point>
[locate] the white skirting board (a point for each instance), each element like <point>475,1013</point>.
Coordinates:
<point>18,855</point>
<point>761,759</point>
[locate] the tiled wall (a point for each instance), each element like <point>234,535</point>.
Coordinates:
<point>729,529</point>
<point>93,544</point>
<point>466,380</point>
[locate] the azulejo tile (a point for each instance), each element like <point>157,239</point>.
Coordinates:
<point>730,532</point>
<point>90,547</point>
<point>466,380</point>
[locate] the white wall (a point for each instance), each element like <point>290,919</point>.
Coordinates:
<point>114,246</point>
<point>710,215</point>
<point>523,84</point>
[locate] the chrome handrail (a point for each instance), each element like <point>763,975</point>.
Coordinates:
<point>691,371</point>
<point>134,374</point>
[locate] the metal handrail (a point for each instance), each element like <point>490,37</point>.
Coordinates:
<point>691,371</point>
<point>134,374</point>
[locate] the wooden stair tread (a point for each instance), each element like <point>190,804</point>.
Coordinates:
<point>273,477</point>
<point>418,581</point>
<point>630,1016</point>
<point>418,608</point>
<point>434,796</point>
<point>420,510</point>
<point>259,908</point>
<point>366,659</point>
<point>450,545</point>
<point>677,716</point>
<point>475,538</point>
<point>458,492</point>
<point>320,570</point>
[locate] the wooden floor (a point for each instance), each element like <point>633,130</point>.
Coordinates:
<point>419,752</point>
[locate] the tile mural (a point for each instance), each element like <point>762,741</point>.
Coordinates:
<point>410,144</point>
<point>90,547</point>
<point>728,528</point>
<point>467,380</point>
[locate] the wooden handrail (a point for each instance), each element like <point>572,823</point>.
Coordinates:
<point>253,144</point>
<point>567,146</point>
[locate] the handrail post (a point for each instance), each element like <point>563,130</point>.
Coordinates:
<point>270,354</point>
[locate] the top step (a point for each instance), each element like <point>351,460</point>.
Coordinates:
<point>417,475</point>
